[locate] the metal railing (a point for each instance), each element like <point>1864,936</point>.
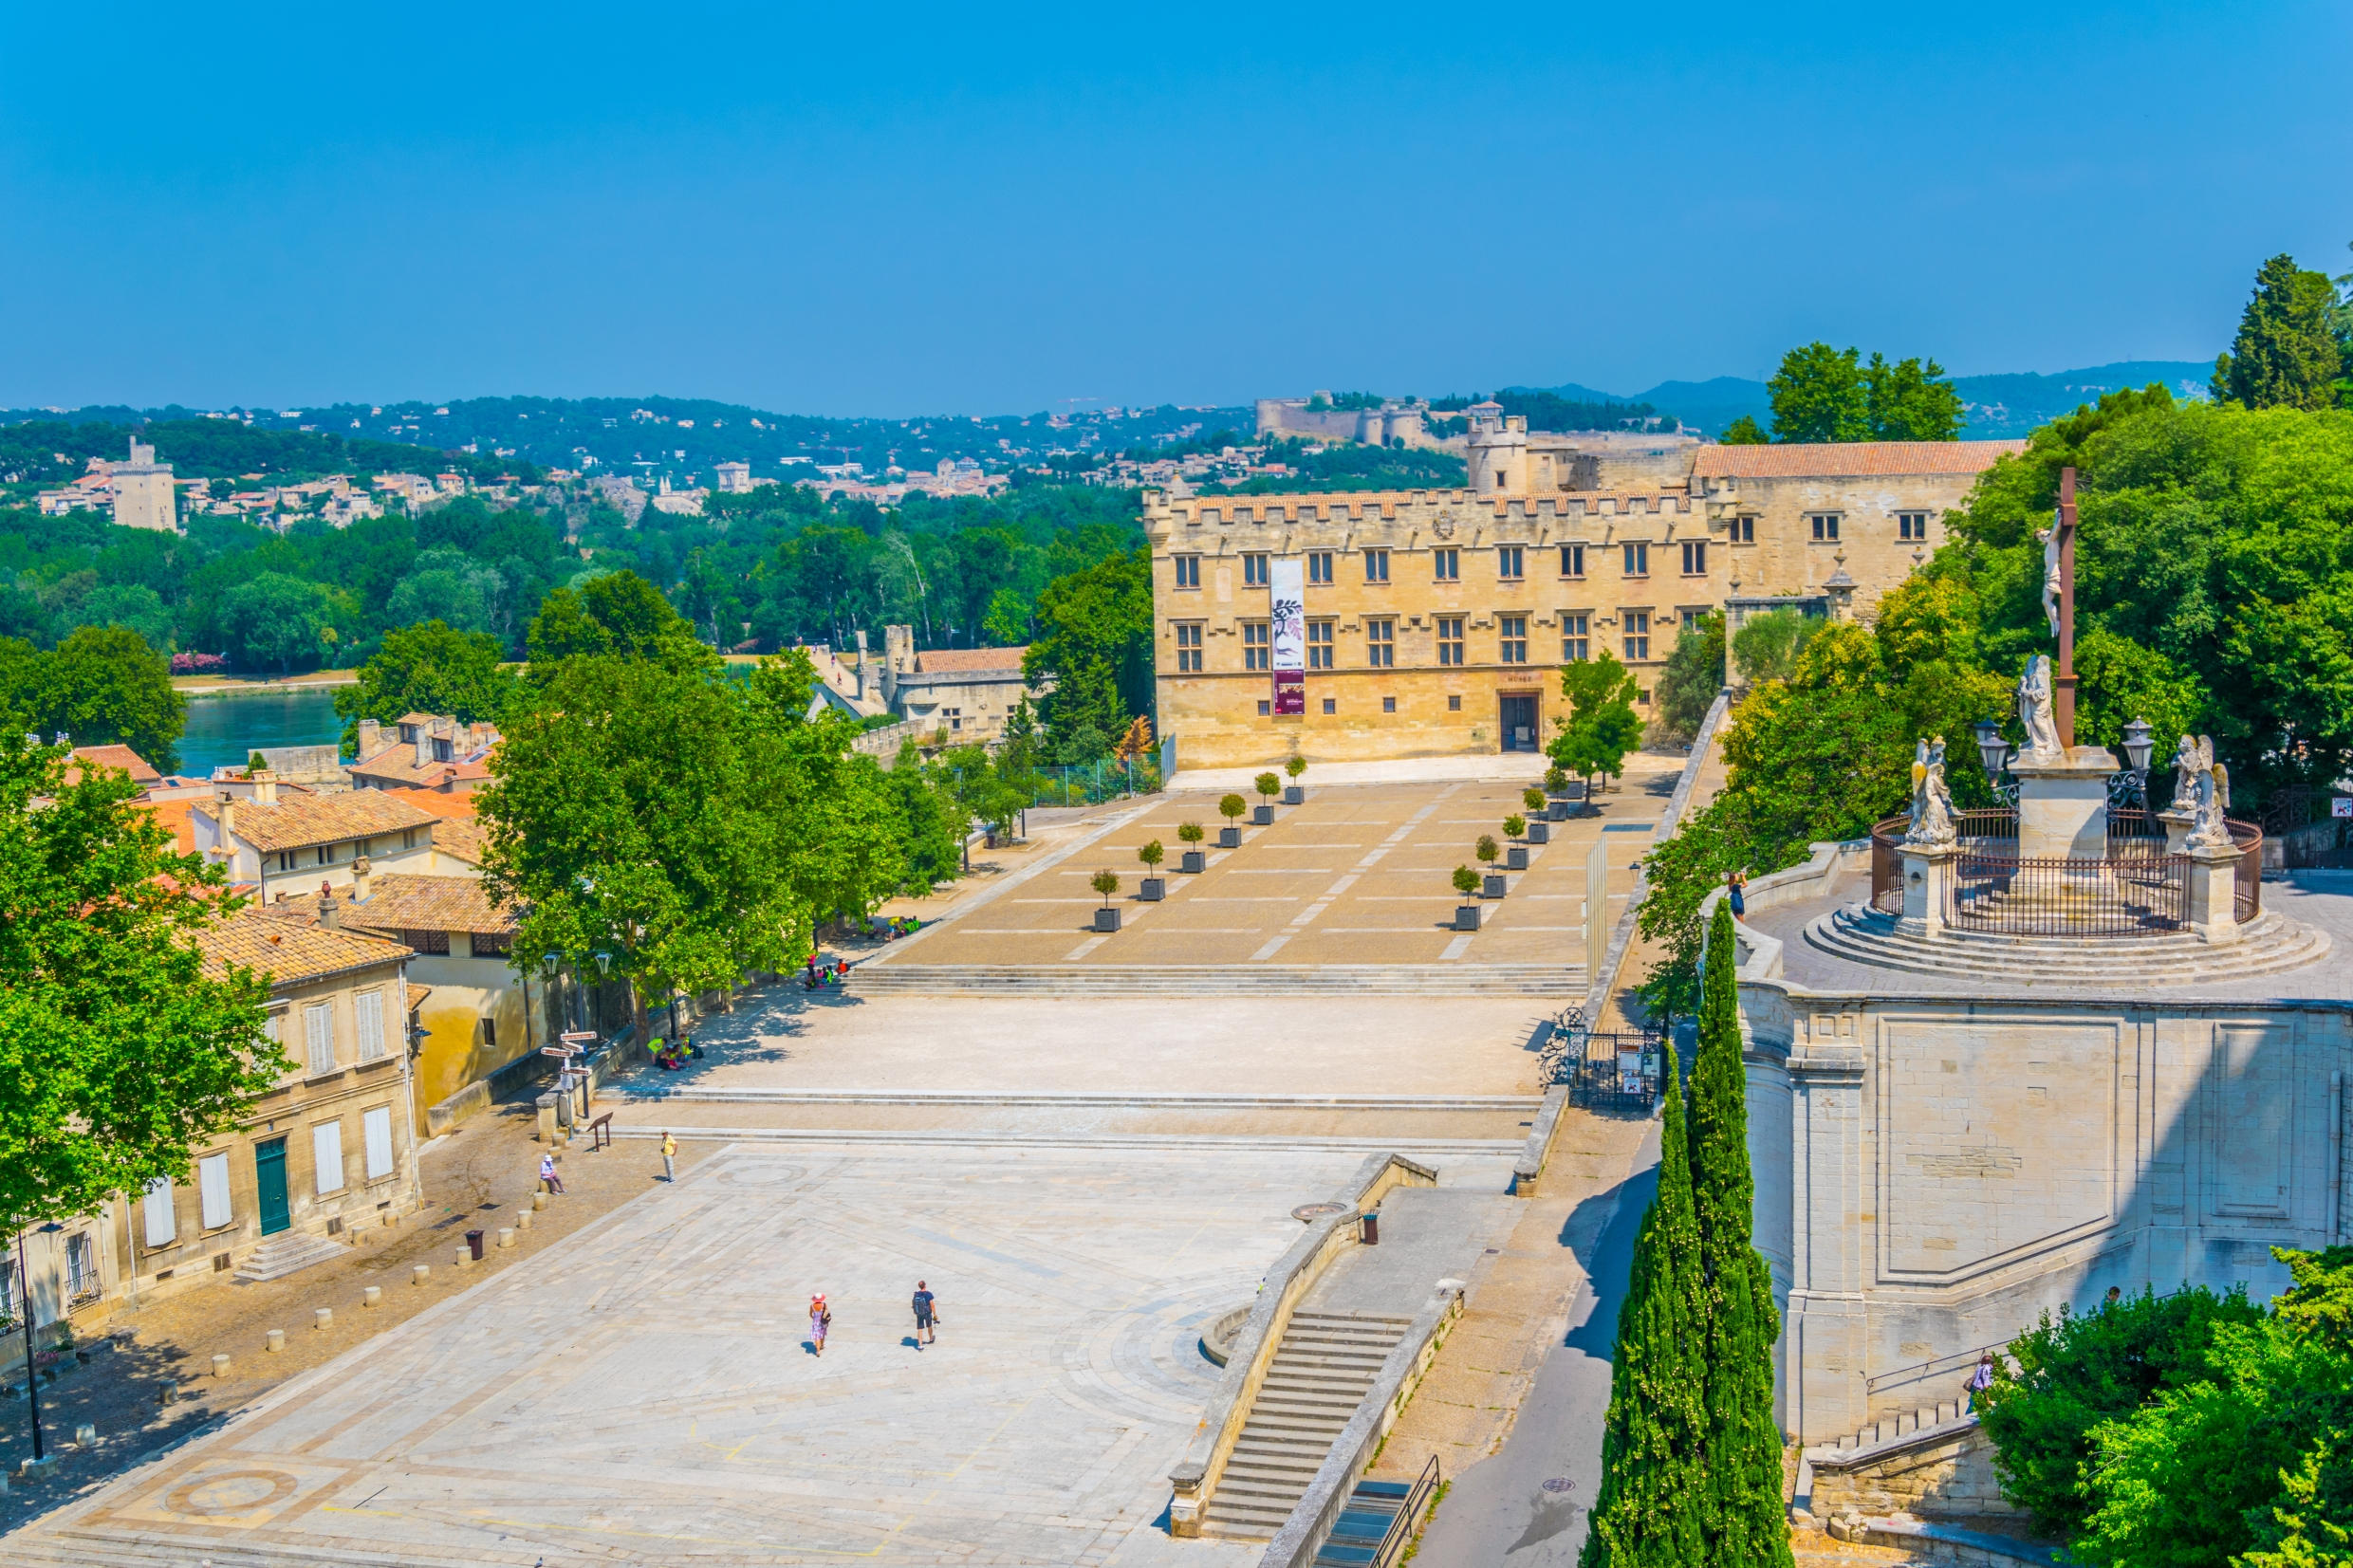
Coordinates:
<point>2247,887</point>
<point>1608,1070</point>
<point>2137,888</point>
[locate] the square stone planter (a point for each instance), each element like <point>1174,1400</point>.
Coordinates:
<point>1539,833</point>
<point>1466,916</point>
<point>1493,886</point>
<point>1556,811</point>
<point>1153,889</point>
<point>1515,858</point>
<point>1228,838</point>
<point>1293,795</point>
<point>1193,862</point>
<point>1262,816</point>
<point>1109,919</point>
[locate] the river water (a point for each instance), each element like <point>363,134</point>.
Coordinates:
<point>226,731</point>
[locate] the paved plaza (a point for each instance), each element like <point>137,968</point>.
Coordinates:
<point>1357,875</point>
<point>646,1395</point>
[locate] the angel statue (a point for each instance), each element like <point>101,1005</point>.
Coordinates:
<point>2188,760</point>
<point>2049,539</point>
<point>2210,796</point>
<point>1931,803</point>
<point>2037,712</point>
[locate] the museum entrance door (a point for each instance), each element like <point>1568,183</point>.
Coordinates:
<point>1519,721</point>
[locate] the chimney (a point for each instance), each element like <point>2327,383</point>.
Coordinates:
<point>424,743</point>
<point>862,669</point>
<point>371,738</point>
<point>360,873</point>
<point>330,910</point>
<point>265,787</point>
<point>228,811</point>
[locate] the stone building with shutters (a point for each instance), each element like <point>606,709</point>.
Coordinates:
<point>327,1154</point>
<point>1436,621</point>
<point>287,844</point>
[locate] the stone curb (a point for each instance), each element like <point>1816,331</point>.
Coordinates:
<point>1141,1102</point>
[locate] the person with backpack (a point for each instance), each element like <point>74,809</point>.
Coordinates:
<point>926,1314</point>
<point>820,1319</point>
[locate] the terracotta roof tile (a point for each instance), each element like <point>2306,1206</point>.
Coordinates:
<point>121,757</point>
<point>446,805</point>
<point>174,816</point>
<point>319,819</point>
<point>427,903</point>
<point>461,836</point>
<point>1849,459</point>
<point>289,949</point>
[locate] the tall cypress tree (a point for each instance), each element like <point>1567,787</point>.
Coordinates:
<point>1746,1526</point>
<point>1652,1507</point>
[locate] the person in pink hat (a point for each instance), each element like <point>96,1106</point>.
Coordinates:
<point>820,1319</point>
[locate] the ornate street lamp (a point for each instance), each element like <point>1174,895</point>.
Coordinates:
<point>1994,751</point>
<point>2133,783</point>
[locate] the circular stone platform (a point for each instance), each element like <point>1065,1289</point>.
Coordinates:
<point>2270,943</point>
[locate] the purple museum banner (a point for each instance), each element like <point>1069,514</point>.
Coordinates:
<point>1287,595</point>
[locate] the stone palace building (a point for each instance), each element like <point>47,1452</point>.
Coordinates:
<point>1430,623</point>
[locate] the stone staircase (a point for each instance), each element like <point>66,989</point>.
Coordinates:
<point>287,1252</point>
<point>1258,979</point>
<point>1320,1374</point>
<point>1891,1432</point>
<point>2270,943</point>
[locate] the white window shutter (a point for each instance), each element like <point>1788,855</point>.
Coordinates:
<point>163,1223</point>
<point>326,1149</point>
<point>376,1126</point>
<point>213,1183</point>
<point>319,1020</point>
<point>368,1012</point>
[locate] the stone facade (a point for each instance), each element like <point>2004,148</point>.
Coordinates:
<point>1940,1160</point>
<point>1436,619</point>
<point>1948,1476</point>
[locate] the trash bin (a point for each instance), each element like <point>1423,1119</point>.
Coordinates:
<point>1371,1234</point>
<point>473,1243</point>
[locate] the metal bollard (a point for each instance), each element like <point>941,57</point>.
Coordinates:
<point>372,1295</point>
<point>275,1340</point>
<point>322,1317</point>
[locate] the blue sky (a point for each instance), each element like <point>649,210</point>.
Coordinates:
<point>898,210</point>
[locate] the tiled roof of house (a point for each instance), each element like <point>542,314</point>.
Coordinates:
<point>174,816</point>
<point>460,837</point>
<point>290,949</point>
<point>428,903</point>
<point>940,661</point>
<point>1849,459</point>
<point>319,819</point>
<point>121,757</point>
<point>396,765</point>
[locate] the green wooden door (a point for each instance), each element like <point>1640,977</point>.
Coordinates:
<point>269,1182</point>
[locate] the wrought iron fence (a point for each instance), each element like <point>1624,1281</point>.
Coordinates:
<point>1091,784</point>
<point>1887,865</point>
<point>2247,887</point>
<point>1606,1070</point>
<point>2020,896</point>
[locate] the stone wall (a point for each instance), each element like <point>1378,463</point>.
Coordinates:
<point>1947,1478</point>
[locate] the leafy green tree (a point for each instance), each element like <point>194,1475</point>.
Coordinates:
<point>618,614</point>
<point>104,686</point>
<point>1745,1524</point>
<point>429,667</point>
<point>1692,677</point>
<point>130,604</point>
<point>1601,725</point>
<point>279,621</point>
<point>1466,882</point>
<point>1819,395</point>
<point>1745,432</point>
<point>2072,1372</point>
<point>449,586</point>
<point>1094,647</point>
<point>1909,402</point>
<point>121,1051</point>
<point>1650,1510</point>
<point>1006,619</point>
<point>1767,646</point>
<point>2286,353</point>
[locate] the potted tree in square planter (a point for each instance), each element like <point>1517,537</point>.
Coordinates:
<point>1193,862</point>
<point>1556,785</point>
<point>1539,831</point>
<point>1155,886</point>
<point>1514,857</point>
<point>1106,883</point>
<point>1292,794</point>
<point>1231,807</point>
<point>1268,786</point>
<point>1467,885</point>
<point>1487,849</point>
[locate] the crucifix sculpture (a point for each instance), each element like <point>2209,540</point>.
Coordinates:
<point>2063,684</point>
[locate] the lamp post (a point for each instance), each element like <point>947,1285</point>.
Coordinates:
<point>1993,753</point>
<point>2133,783</point>
<point>24,1299</point>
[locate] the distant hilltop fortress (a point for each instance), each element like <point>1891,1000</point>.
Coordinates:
<point>1399,421</point>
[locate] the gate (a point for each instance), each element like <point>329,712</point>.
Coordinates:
<point>1606,1070</point>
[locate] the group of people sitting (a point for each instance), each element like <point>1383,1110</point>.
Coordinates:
<point>816,974</point>
<point>895,927</point>
<point>671,1055</point>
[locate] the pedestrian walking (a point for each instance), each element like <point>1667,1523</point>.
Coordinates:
<point>1981,1379</point>
<point>548,1173</point>
<point>670,1156</point>
<point>1735,886</point>
<point>926,1314</point>
<point>820,1319</point>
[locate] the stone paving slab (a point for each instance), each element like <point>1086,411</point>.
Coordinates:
<point>645,1396</point>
